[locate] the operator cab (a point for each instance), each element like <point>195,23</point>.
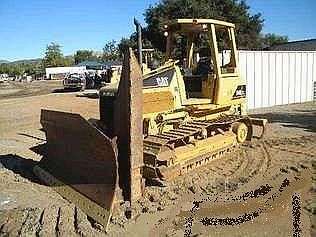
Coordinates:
<point>206,50</point>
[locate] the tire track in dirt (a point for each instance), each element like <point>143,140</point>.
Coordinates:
<point>83,226</point>
<point>32,225</point>
<point>255,176</point>
<point>48,221</point>
<point>246,169</point>
<point>223,175</point>
<point>14,222</point>
<point>51,221</point>
<point>272,194</point>
<point>66,221</point>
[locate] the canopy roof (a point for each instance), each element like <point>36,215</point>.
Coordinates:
<point>98,65</point>
<point>195,25</point>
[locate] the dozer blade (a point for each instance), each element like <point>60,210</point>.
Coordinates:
<point>128,116</point>
<point>80,163</point>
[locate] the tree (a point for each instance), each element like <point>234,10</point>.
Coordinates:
<point>53,56</point>
<point>126,43</point>
<point>4,68</point>
<point>18,69</point>
<point>28,68</point>
<point>131,42</point>
<point>83,55</point>
<point>110,51</point>
<point>248,26</point>
<point>273,39</point>
<point>68,61</point>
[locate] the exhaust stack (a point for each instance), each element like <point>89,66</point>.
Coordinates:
<point>139,42</point>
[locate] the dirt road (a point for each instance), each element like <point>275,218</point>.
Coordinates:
<point>13,89</point>
<point>263,189</point>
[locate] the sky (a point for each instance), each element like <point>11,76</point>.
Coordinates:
<point>27,26</point>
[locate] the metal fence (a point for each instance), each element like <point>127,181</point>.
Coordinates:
<point>314,91</point>
<point>278,77</point>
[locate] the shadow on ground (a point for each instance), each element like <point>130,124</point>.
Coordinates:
<point>305,119</point>
<point>65,90</point>
<point>86,94</point>
<point>19,165</point>
<point>31,136</point>
<point>92,95</point>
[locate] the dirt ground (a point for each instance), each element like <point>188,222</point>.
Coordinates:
<point>264,188</point>
<point>12,89</point>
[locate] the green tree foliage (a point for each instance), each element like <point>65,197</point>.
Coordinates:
<point>68,61</point>
<point>248,26</point>
<point>5,68</point>
<point>273,39</point>
<point>83,55</point>
<point>53,56</point>
<point>110,51</point>
<point>126,43</point>
<point>18,69</point>
<point>131,42</point>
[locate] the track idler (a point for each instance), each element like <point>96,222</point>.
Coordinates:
<point>260,123</point>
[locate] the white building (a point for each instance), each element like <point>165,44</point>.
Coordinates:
<point>60,72</point>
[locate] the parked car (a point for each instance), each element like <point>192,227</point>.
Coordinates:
<point>75,81</point>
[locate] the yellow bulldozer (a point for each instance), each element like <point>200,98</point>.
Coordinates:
<point>153,127</point>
